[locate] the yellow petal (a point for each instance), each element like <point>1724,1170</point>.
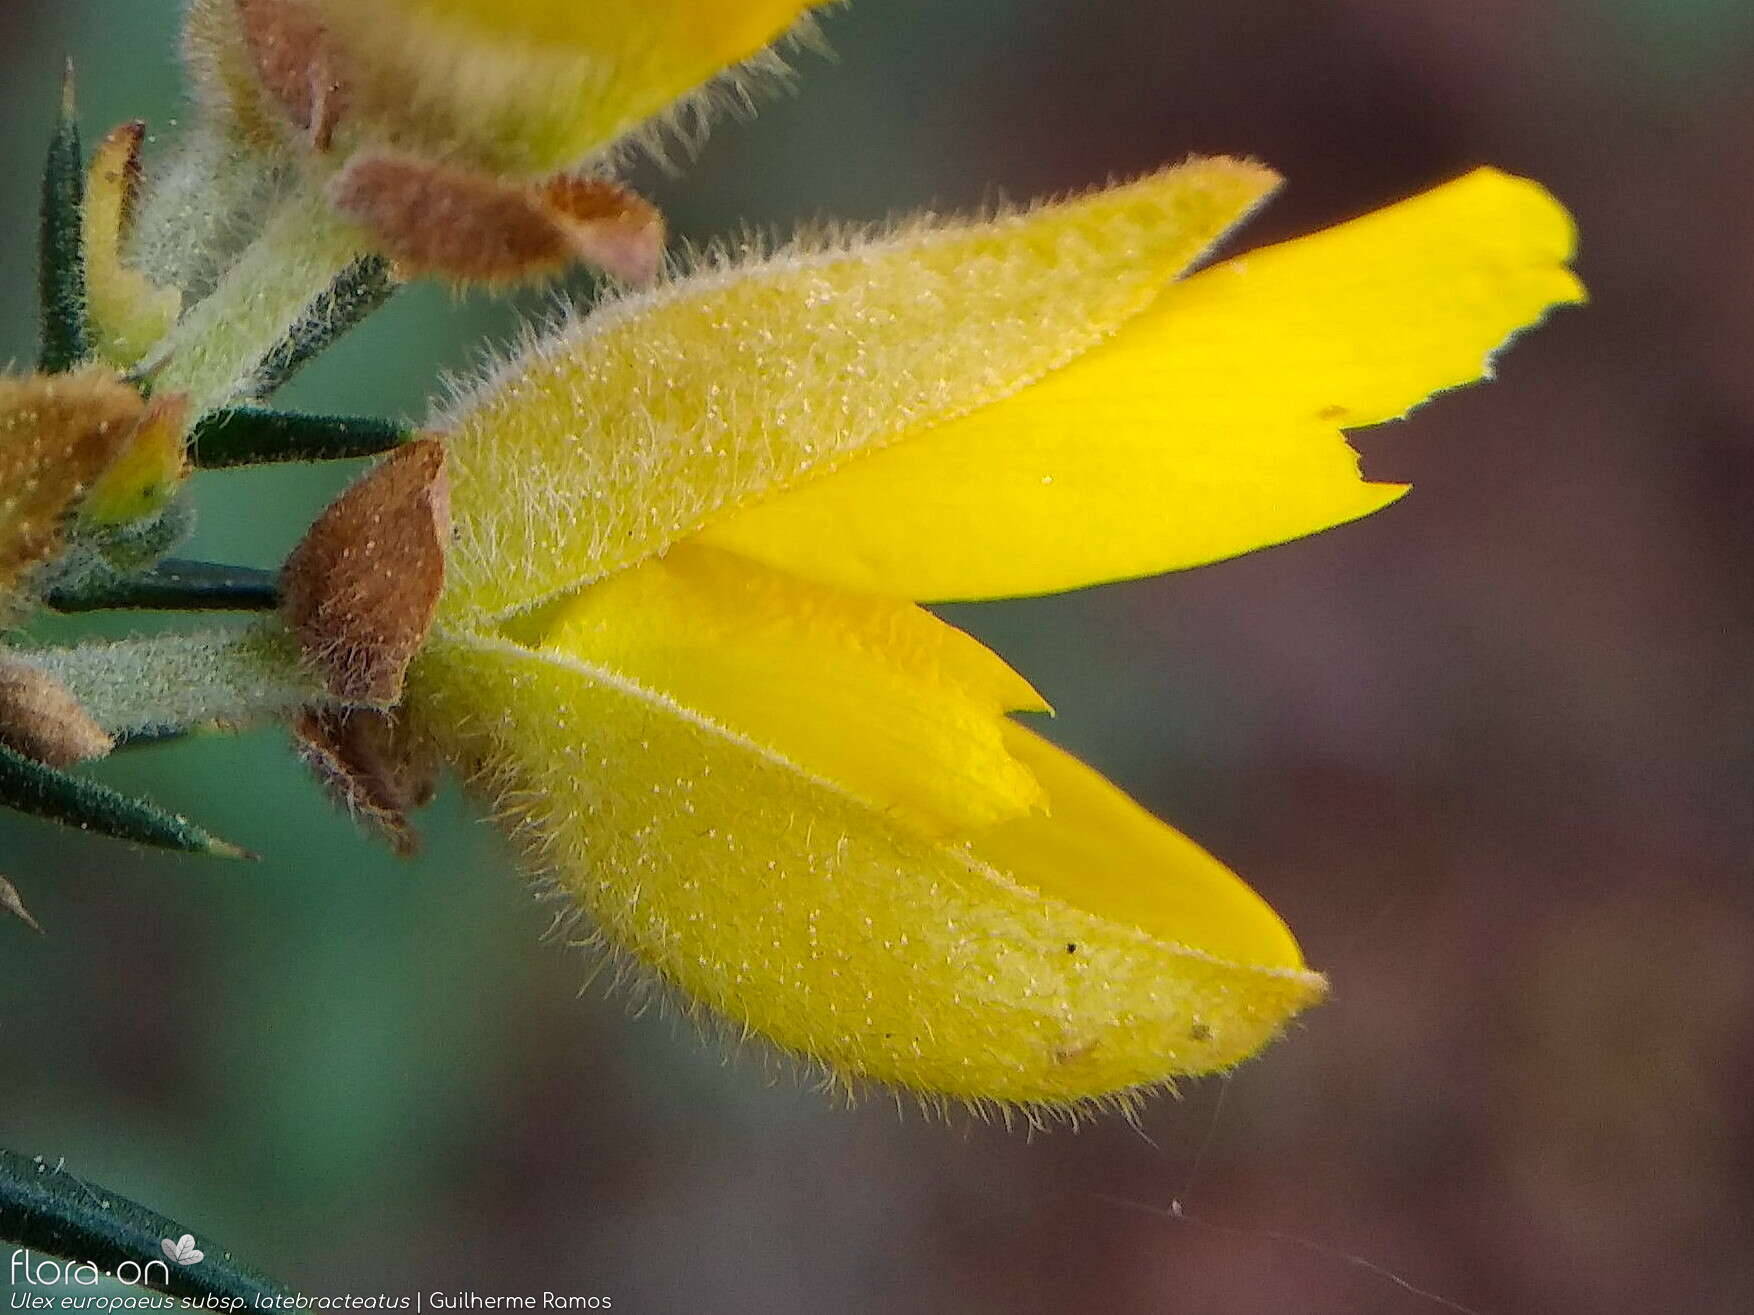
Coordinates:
<point>870,694</point>
<point>609,441</point>
<point>532,87</point>
<point>1207,427</point>
<point>1096,848</point>
<point>128,313</point>
<point>794,910</point>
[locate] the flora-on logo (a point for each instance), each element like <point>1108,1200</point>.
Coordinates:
<point>183,1250</point>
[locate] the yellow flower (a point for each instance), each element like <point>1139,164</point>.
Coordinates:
<point>527,87</point>
<point>680,645</point>
<point>503,117</point>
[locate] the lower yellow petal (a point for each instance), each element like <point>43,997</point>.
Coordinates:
<point>870,694</point>
<point>1208,426</point>
<point>793,910</point>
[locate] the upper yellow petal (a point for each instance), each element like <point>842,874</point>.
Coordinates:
<point>533,87</point>
<point>1208,426</point>
<point>797,911</point>
<point>870,694</point>
<point>609,441</point>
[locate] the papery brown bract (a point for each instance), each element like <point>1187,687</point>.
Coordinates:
<point>377,765</point>
<point>360,589</point>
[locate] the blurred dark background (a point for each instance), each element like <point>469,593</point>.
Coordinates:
<point>1489,752</point>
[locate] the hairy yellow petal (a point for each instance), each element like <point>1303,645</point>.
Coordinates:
<point>1095,847</point>
<point>793,909</point>
<point>611,440</point>
<point>874,695</point>
<point>1208,426</point>
<point>529,88</point>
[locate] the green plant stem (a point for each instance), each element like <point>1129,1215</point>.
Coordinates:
<point>44,1208</point>
<point>275,287</point>
<point>174,585</point>
<point>166,682</point>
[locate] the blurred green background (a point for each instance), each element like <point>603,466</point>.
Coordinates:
<point>1489,752</point>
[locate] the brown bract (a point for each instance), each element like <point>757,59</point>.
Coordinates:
<point>473,228</point>
<point>297,63</point>
<point>375,764</point>
<point>42,720</point>
<point>58,434</point>
<point>360,589</point>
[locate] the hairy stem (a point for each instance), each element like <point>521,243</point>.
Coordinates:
<point>203,203</point>
<point>166,682</point>
<point>266,297</point>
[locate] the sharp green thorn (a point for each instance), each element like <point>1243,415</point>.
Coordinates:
<point>60,256</point>
<point>44,1206</point>
<point>250,435</point>
<point>360,289</point>
<point>174,585</point>
<point>43,791</point>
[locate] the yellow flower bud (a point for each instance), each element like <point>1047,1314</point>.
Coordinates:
<point>532,87</point>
